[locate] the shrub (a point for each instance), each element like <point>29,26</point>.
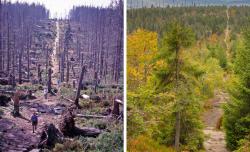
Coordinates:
<point>69,146</point>
<point>110,141</point>
<point>145,143</point>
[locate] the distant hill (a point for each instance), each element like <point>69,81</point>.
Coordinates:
<point>165,3</point>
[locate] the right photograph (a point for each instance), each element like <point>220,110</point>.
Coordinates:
<point>188,75</point>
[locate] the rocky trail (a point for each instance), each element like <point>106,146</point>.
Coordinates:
<point>16,132</point>
<point>215,137</point>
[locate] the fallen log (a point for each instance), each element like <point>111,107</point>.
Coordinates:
<point>10,92</point>
<point>67,99</point>
<point>91,116</point>
<point>88,132</point>
<point>4,81</point>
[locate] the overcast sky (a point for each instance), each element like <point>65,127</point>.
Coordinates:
<point>62,7</point>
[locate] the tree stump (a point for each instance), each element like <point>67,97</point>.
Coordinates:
<point>67,125</point>
<point>68,128</point>
<point>49,137</point>
<point>116,110</point>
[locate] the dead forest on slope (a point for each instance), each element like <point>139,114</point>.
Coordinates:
<point>68,71</point>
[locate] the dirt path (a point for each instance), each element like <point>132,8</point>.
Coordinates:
<point>16,132</point>
<point>227,32</point>
<point>55,62</point>
<point>215,139</point>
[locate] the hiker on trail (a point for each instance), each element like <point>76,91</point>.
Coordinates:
<point>45,92</point>
<point>34,120</point>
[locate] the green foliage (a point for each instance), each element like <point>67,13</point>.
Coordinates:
<point>157,100</point>
<point>203,20</point>
<point>152,106</point>
<point>68,92</point>
<point>110,141</point>
<point>244,145</point>
<point>69,146</point>
<point>219,53</point>
<point>145,143</point>
<point>237,112</point>
<point>186,100</point>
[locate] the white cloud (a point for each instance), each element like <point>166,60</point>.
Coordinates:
<point>60,8</point>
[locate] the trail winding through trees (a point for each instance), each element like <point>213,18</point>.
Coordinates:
<point>54,59</point>
<point>227,32</point>
<point>215,138</point>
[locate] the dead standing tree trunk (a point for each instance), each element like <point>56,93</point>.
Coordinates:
<point>16,104</point>
<point>39,74</point>
<point>96,81</point>
<point>62,67</point>
<point>20,66</point>
<point>79,86</point>
<point>49,80</point>
<point>1,54</point>
<point>116,110</point>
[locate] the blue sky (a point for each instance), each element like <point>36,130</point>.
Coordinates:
<point>60,8</point>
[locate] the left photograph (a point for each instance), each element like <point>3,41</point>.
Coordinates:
<point>61,75</point>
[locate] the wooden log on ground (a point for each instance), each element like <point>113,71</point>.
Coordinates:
<point>88,132</point>
<point>91,116</point>
<point>4,81</point>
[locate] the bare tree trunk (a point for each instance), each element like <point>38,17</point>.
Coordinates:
<point>20,66</point>
<point>62,68</point>
<point>49,80</point>
<point>96,81</point>
<point>28,56</point>
<point>39,74</point>
<point>16,104</point>
<point>1,52</point>
<point>67,72</point>
<point>79,86</point>
<point>8,49</point>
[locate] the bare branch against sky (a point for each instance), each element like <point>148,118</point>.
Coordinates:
<point>60,8</point>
